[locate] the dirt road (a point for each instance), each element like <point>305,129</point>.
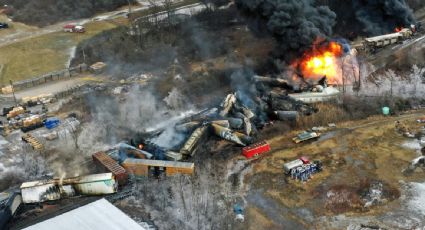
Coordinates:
<point>50,88</point>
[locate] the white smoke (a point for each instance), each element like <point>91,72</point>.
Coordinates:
<point>139,110</point>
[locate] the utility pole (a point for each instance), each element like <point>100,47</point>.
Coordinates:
<point>129,13</point>
<point>13,92</point>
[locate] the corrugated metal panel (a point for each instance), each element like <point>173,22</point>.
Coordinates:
<point>97,215</point>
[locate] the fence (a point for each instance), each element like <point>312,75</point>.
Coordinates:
<point>67,92</point>
<point>46,78</point>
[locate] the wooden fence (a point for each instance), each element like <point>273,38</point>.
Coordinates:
<point>46,78</point>
<point>67,92</point>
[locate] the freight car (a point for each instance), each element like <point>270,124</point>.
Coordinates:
<point>10,201</point>
<point>306,135</point>
<point>373,43</point>
<point>109,164</point>
<point>142,167</point>
<point>55,189</point>
<point>256,149</point>
<point>189,146</point>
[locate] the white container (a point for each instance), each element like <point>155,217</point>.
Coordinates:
<point>96,184</point>
<point>291,165</point>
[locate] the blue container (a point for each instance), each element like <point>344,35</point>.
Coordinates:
<point>52,123</point>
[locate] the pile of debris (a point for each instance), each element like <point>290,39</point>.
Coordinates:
<point>237,120</point>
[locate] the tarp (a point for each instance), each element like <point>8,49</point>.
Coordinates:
<point>97,215</point>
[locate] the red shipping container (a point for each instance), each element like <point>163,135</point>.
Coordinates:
<point>256,149</point>
<point>111,165</point>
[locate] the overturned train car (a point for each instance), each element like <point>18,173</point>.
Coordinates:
<point>55,189</point>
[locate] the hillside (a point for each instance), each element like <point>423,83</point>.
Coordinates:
<point>46,12</point>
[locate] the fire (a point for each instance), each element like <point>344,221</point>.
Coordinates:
<point>398,29</point>
<point>322,61</point>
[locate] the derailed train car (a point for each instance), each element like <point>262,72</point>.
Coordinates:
<point>144,167</point>
<point>55,189</point>
<point>109,164</point>
<point>10,201</point>
<point>371,44</point>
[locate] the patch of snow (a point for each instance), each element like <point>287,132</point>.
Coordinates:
<point>417,202</point>
<point>412,144</point>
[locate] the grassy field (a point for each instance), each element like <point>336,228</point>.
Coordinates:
<point>358,152</point>
<point>43,54</point>
<point>15,27</point>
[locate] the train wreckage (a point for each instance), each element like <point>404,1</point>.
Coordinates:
<point>234,120</point>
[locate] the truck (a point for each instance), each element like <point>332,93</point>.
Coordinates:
<point>4,25</point>
<point>306,135</point>
<point>15,112</point>
<point>73,28</point>
<point>256,149</point>
<point>31,123</point>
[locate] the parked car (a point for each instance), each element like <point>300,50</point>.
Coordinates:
<point>4,25</point>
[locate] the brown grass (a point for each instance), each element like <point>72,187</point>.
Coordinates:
<point>328,113</point>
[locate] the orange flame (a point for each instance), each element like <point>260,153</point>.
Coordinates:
<point>398,29</point>
<point>322,62</point>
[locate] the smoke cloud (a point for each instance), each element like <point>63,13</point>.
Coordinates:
<point>295,24</point>
<point>138,111</point>
<point>382,16</point>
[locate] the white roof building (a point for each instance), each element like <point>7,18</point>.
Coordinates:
<point>97,215</point>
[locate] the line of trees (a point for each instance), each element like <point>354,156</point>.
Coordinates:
<point>45,12</point>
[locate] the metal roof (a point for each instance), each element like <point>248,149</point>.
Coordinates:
<point>35,183</point>
<point>176,164</point>
<point>80,179</point>
<point>97,215</point>
<point>383,37</point>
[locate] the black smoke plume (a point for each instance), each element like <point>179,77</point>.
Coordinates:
<point>369,18</point>
<point>295,24</point>
<point>382,16</point>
